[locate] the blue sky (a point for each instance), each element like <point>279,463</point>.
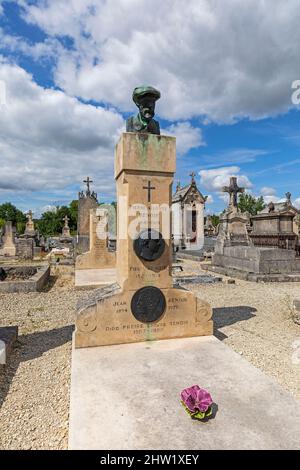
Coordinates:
<point>68,68</point>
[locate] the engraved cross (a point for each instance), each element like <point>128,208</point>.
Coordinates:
<point>149,187</point>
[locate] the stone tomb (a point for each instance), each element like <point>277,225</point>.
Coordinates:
<point>143,305</point>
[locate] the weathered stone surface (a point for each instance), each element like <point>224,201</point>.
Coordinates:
<point>25,248</point>
<point>99,256</point>
<point>258,260</point>
<point>9,246</point>
<point>145,152</point>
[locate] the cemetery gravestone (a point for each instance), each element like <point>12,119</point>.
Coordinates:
<point>143,305</point>
<point>8,247</point>
<point>99,256</point>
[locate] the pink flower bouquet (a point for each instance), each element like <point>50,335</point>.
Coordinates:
<point>197,402</point>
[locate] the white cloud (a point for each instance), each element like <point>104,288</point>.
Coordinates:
<point>267,191</point>
<point>49,140</point>
<point>296,203</point>
<point>269,195</point>
<point>215,179</point>
<point>207,60</point>
<point>209,199</point>
<point>187,136</point>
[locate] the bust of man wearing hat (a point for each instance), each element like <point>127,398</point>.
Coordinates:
<point>145,98</point>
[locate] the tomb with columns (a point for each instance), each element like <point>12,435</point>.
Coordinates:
<point>188,206</point>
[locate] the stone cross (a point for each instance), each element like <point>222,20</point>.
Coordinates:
<point>193,174</point>
<point>66,220</point>
<point>88,181</point>
<point>233,189</point>
<point>29,215</point>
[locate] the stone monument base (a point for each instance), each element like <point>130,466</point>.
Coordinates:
<point>106,317</point>
<point>128,397</point>
<point>256,264</point>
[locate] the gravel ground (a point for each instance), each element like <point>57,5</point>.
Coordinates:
<point>253,319</point>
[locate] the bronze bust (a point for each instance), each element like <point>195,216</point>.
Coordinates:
<point>144,97</point>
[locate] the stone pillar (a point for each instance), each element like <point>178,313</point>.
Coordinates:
<point>86,201</point>
<point>144,169</point>
<point>144,305</point>
<point>9,246</point>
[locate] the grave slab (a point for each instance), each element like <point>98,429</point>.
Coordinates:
<point>127,397</point>
<point>95,277</point>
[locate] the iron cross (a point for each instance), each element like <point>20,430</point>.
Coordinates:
<point>149,187</point>
<point>88,181</point>
<point>233,189</point>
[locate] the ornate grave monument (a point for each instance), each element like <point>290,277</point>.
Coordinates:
<point>143,304</point>
<point>235,253</point>
<point>233,223</point>
<point>86,200</point>
<point>66,228</point>
<point>274,226</point>
<point>188,214</point>
<point>30,230</point>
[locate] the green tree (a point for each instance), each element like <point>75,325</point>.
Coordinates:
<point>215,219</point>
<point>51,222</point>
<point>73,215</point>
<point>21,227</point>
<point>47,224</point>
<point>251,204</point>
<point>9,212</point>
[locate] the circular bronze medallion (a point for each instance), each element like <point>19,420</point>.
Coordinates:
<point>148,304</point>
<point>149,245</point>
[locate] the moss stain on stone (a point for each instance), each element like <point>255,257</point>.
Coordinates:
<point>149,333</point>
<point>146,141</point>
